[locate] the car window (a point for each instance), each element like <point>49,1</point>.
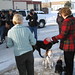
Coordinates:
<point>39,12</point>
<point>28,12</point>
<point>22,13</point>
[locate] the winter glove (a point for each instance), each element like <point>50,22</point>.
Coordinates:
<point>54,40</point>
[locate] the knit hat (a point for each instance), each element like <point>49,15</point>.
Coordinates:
<point>31,10</point>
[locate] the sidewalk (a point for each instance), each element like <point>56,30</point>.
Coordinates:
<point>8,66</point>
<point>7,60</point>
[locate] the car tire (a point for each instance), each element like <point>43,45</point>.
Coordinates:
<point>41,24</point>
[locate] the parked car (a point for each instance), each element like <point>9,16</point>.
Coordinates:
<point>41,17</point>
<point>51,19</point>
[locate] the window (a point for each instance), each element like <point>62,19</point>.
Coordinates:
<point>22,13</point>
<point>35,6</point>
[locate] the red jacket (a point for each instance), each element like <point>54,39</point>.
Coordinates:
<point>67,34</point>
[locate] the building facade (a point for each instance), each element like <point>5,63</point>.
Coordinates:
<point>26,5</point>
<point>20,4</point>
<point>55,4</point>
<point>6,4</point>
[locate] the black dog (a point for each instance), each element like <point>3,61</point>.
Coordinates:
<point>40,44</point>
<point>58,67</point>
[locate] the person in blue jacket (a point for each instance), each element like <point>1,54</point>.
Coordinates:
<point>21,38</point>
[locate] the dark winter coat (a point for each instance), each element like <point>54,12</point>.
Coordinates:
<point>9,19</point>
<point>32,20</point>
<point>59,20</point>
<point>0,19</point>
<point>3,20</point>
<point>67,34</point>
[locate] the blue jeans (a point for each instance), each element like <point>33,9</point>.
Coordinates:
<point>2,28</point>
<point>34,29</point>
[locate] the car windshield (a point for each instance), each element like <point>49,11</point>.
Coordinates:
<point>23,13</point>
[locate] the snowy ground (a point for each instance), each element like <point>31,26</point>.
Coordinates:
<point>7,62</point>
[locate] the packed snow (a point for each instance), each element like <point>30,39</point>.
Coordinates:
<point>7,61</point>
